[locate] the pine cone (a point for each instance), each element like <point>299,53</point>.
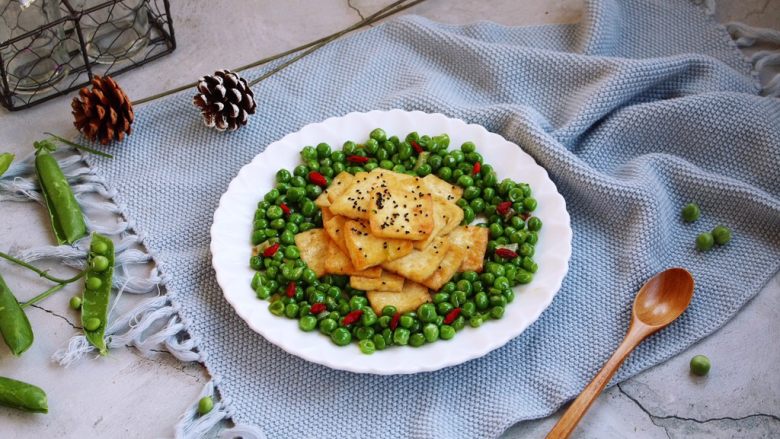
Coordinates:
<point>103,113</point>
<point>225,100</point>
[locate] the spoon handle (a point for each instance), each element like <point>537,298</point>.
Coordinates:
<point>577,409</point>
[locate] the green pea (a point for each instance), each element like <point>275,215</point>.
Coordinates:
<point>298,181</point>
<point>300,171</point>
<point>412,137</point>
<point>440,297</point>
<point>205,405</point>
<point>445,173</point>
<point>523,277</point>
<point>357,302</point>
<point>307,323</point>
<point>704,241</point>
<point>296,218</point>
<point>424,170</point>
<point>308,208</point>
<point>337,157</point>
<point>427,312</point>
<point>446,332</point>
<point>416,340</point>
<point>384,321</point>
<point>481,301</point>
<point>530,204</point>
<point>700,365</point>
<point>262,292</point>
<point>401,336</point>
<point>99,263</point>
<point>283,176</point>
<point>367,346</point>
<point>378,134</point>
<point>93,283</point>
<point>489,180</point>
<point>477,205</point>
<point>399,168</point>
<point>75,302</point>
<point>517,237</point>
<point>370,166</point>
<point>341,336</point>
<point>468,309</point>
<point>364,333</point>
<point>287,238</point>
<point>313,191</point>
<point>721,235</point>
<point>291,310</point>
<point>277,224</point>
<point>526,249</point>
<point>532,238</point>
<point>496,230</point>
<point>328,325</point>
<point>690,213</point>
<point>276,307</point>
<point>272,195</point>
<point>379,342</point>
<point>368,318</point>
<point>293,194</point>
<point>471,192</point>
<point>529,265</point>
<point>468,215</point>
<point>444,308</point>
<point>487,278</point>
<point>431,332</point>
<point>465,181</point>
<point>501,283</point>
<point>386,164</point>
<point>274,212</point>
<point>323,150</point>
<point>308,153</point>
<point>468,147</point>
<point>515,194</point>
<point>534,223</point>
<point>292,252</point>
<point>389,310</point>
<point>406,321</point>
<point>92,324</point>
<point>434,161</point>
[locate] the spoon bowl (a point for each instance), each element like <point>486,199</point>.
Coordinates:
<point>664,297</point>
<point>657,304</point>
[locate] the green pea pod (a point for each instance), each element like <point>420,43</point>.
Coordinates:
<point>97,291</point>
<point>14,325</point>
<point>67,220</point>
<point>5,162</point>
<point>22,396</point>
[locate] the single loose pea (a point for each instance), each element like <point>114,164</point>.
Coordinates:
<point>530,204</point>
<point>704,241</point>
<point>75,302</point>
<point>690,213</point>
<point>378,134</point>
<point>534,224</point>
<point>92,324</point>
<point>700,365</point>
<point>99,263</point>
<point>205,405</point>
<point>721,235</point>
<point>323,150</point>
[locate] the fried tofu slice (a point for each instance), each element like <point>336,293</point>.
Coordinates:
<point>454,217</point>
<point>441,188</point>
<point>474,240</point>
<point>447,268</point>
<point>313,245</point>
<point>353,202</point>
<point>419,265</point>
<point>335,229</point>
<point>386,282</point>
<point>326,215</point>
<point>337,186</point>
<point>337,262</point>
<point>396,213</point>
<point>408,299</point>
<point>366,250</point>
<point>444,214</point>
<point>322,201</point>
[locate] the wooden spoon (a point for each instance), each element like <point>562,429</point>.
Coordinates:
<point>659,302</point>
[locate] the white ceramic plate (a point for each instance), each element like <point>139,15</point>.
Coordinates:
<point>231,249</point>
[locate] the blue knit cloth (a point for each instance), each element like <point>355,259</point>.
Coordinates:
<point>644,106</point>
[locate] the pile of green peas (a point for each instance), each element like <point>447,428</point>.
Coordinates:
<point>470,299</point>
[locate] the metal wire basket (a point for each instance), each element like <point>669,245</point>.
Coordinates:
<point>51,47</point>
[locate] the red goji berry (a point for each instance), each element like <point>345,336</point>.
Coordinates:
<point>317,308</point>
<point>505,253</point>
<point>477,167</point>
<point>352,317</point>
<point>357,159</point>
<point>270,251</point>
<point>417,147</point>
<point>291,289</point>
<point>318,179</point>
<point>503,207</point>
<point>451,316</point>
<point>285,208</point>
<point>394,320</point>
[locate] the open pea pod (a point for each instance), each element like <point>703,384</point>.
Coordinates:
<point>67,220</point>
<point>14,326</point>
<point>5,162</point>
<point>97,291</point>
<point>22,396</point>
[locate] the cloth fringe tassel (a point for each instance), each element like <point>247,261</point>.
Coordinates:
<point>765,62</point>
<point>194,426</point>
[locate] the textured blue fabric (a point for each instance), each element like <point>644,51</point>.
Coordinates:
<point>642,107</point>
